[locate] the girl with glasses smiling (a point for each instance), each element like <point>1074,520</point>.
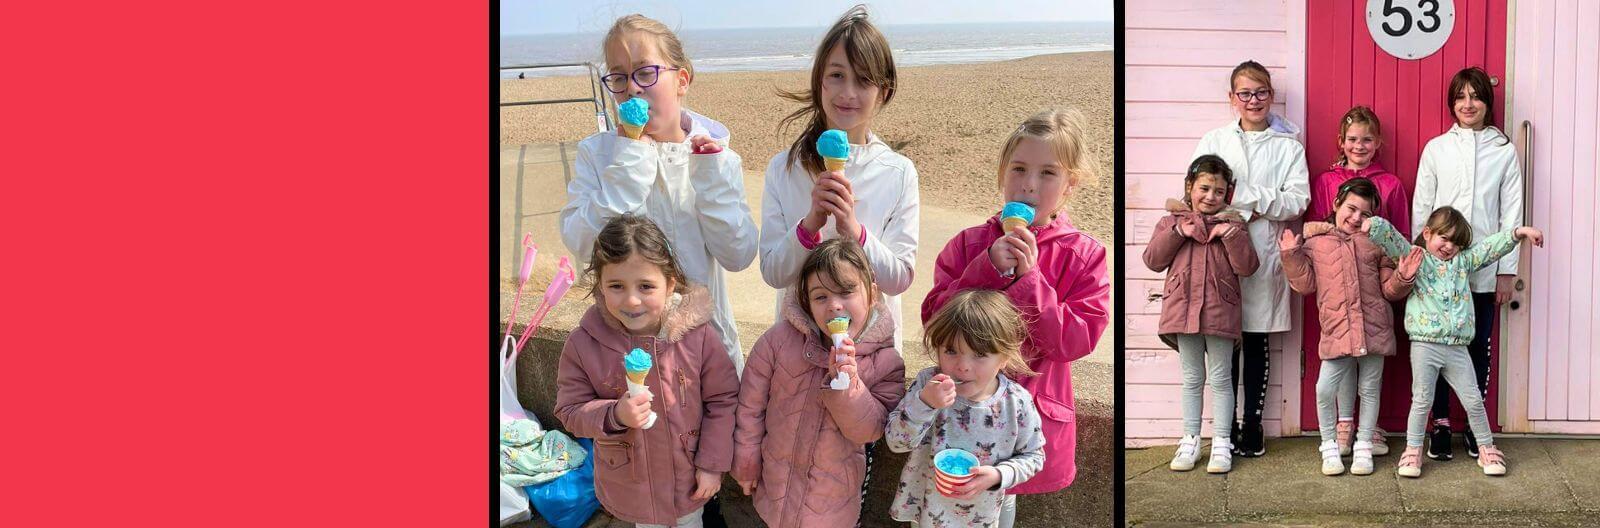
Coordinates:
<point>1272,188</point>
<point>679,173</point>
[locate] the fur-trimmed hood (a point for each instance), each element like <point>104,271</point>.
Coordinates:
<point>685,311</point>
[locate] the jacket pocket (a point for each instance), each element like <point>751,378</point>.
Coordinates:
<point>614,456</point>
<point>1228,292</point>
<point>1174,287</point>
<point>1051,409</point>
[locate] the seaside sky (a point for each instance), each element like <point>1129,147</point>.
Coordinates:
<point>529,17</point>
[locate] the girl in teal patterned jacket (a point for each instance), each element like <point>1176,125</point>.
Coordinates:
<point>1439,318</point>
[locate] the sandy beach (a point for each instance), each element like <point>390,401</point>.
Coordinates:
<point>949,119</point>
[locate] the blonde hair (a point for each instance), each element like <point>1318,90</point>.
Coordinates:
<point>871,58</point>
<point>1250,70</point>
<point>1063,131</point>
<point>667,41</point>
<point>1360,115</point>
<point>987,322</point>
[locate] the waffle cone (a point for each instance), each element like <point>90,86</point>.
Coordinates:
<point>632,131</point>
<point>637,377</point>
<point>1012,222</point>
<point>834,164</point>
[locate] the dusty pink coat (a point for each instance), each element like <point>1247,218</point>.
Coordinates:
<point>647,475</point>
<point>1065,300</point>
<point>802,442</point>
<point>1353,281</point>
<point>1202,285</point>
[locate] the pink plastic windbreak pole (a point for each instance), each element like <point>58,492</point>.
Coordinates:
<point>530,250</point>
<point>552,295</point>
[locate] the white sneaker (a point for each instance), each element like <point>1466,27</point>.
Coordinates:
<point>1188,451</point>
<point>1331,464</point>
<point>1362,463</point>
<point>1380,447</point>
<point>1221,456</point>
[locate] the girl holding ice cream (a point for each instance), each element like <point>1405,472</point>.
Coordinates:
<point>1204,251</point>
<point>799,447</point>
<point>1269,166</point>
<point>676,169</point>
<point>1053,274</point>
<point>660,452</point>
<point>965,421</point>
<point>872,199</point>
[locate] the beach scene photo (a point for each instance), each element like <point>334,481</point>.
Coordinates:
<point>965,79</point>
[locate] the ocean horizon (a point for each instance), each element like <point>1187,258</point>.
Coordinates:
<point>789,49</point>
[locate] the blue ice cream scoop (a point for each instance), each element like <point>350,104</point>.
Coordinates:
<point>834,145</point>
<point>637,361</point>
<point>1017,210</point>
<point>635,111</point>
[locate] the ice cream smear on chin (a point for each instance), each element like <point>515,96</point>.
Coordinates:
<point>1016,214</point>
<point>634,113</point>
<point>834,147</point>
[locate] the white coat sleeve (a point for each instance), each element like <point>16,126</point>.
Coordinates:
<point>1285,202</point>
<point>893,253</point>
<point>1425,198</point>
<point>725,221</point>
<point>781,252</point>
<point>599,193</point>
<point>1511,212</point>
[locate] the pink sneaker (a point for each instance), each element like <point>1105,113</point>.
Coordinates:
<point>1411,462</point>
<point>1491,460</point>
<point>1379,448</point>
<point>1343,434</point>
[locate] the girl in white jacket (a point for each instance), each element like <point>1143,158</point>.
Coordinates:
<point>873,200</point>
<point>680,173</point>
<point>1273,187</point>
<point>1473,168</point>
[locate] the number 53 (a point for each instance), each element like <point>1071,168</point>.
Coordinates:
<point>1430,11</point>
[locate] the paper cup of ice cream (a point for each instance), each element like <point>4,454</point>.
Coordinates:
<point>951,468</point>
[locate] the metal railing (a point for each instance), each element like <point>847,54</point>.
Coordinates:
<point>598,95</point>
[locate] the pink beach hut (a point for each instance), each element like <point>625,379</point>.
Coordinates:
<point>1326,56</point>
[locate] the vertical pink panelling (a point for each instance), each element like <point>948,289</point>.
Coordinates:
<point>1563,75</point>
<point>1524,94</point>
<point>1589,17</point>
<point>1543,341</point>
<point>1582,175</point>
<point>1178,58</point>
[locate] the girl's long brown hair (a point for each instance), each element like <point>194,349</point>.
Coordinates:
<point>1482,89</point>
<point>869,54</point>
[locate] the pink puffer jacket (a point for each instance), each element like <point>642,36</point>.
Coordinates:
<point>802,442</point>
<point>648,475</point>
<point>1354,282</point>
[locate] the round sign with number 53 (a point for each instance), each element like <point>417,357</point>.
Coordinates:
<point>1410,29</point>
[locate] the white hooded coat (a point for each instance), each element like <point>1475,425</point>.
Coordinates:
<point>887,202</point>
<point>1477,173</point>
<point>696,199</point>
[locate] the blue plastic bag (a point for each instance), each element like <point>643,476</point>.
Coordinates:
<point>568,501</point>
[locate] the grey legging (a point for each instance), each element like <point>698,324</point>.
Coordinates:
<point>1207,360</point>
<point>1431,361</point>
<point>1335,374</point>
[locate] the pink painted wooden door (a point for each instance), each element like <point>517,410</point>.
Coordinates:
<point>1344,68</point>
<point>1556,89</point>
